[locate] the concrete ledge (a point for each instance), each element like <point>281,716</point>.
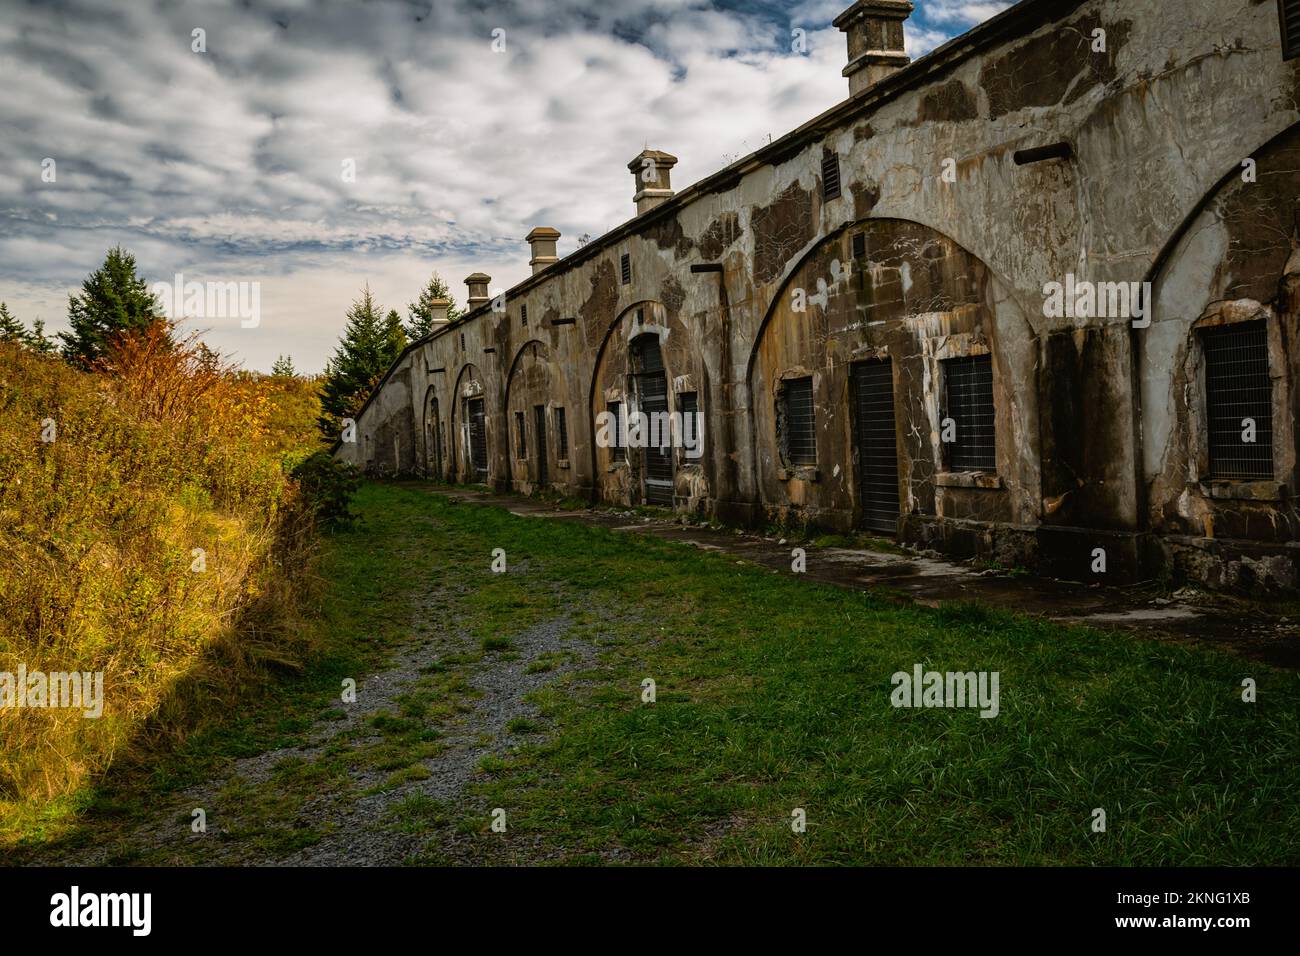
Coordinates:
<point>968,479</point>
<point>1244,490</point>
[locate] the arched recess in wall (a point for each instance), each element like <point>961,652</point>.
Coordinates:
<point>1221,352</point>
<point>531,404</point>
<point>650,362</point>
<point>881,327</point>
<point>470,437</point>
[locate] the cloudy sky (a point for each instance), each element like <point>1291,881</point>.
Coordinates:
<point>229,165</point>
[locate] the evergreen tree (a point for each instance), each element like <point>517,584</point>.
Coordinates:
<point>11,330</point>
<point>394,334</point>
<point>39,340</point>
<point>420,311</point>
<point>283,367</point>
<point>113,300</point>
<point>363,355</point>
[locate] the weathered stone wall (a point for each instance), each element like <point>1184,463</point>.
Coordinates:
<point>1094,418</point>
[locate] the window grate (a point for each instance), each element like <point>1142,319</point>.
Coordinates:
<point>860,246</point>
<point>800,423</point>
<point>968,388</point>
<point>688,403</point>
<point>1238,387</point>
<point>830,175</point>
<point>1289,13</point>
<point>616,450</point>
<point>523,315</point>
<point>562,433</point>
<point>520,439</point>
<point>625,266</point>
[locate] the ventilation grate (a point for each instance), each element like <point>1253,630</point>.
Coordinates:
<point>830,175</point>
<point>1289,12</point>
<point>625,266</point>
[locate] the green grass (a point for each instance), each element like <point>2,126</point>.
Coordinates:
<point>772,694</point>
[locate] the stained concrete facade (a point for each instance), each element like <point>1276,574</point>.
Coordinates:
<point>1105,140</point>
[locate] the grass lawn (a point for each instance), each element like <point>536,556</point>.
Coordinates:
<point>772,695</point>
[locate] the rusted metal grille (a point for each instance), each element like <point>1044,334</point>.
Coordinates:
<point>1238,394</point>
<point>478,439</point>
<point>830,175</point>
<point>625,266</point>
<point>800,423</point>
<point>873,388</point>
<point>562,433</point>
<point>1289,12</point>
<point>521,442</point>
<point>968,386</point>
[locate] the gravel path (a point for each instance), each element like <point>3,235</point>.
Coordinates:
<point>355,818</point>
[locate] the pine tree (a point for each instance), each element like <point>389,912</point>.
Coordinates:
<point>113,300</point>
<point>283,367</point>
<point>420,311</point>
<point>39,341</point>
<point>394,334</point>
<point>11,330</point>
<point>363,355</point>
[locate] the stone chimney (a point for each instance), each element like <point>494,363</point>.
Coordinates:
<point>542,240</point>
<point>651,169</point>
<point>478,290</point>
<point>875,34</point>
<point>439,309</point>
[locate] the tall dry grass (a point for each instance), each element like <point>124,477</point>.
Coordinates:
<point>160,452</point>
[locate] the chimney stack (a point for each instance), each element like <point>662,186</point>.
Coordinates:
<point>439,309</point>
<point>875,34</point>
<point>478,290</point>
<point>651,170</point>
<point>542,240</point>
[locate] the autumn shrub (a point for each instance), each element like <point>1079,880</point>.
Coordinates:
<point>148,531</point>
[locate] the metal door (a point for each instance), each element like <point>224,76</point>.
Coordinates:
<point>873,390</point>
<point>478,439</point>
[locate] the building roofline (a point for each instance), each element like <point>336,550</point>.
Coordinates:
<point>1018,20</point>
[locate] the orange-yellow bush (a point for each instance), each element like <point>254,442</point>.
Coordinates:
<point>162,452</point>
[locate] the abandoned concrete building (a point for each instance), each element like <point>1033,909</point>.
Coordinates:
<point>1032,297</point>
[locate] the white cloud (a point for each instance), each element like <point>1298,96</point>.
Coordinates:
<point>226,165</point>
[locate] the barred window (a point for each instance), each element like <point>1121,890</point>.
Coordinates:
<point>562,432</point>
<point>616,450</point>
<point>1239,401</point>
<point>798,422</point>
<point>523,315</point>
<point>625,266</point>
<point>688,404</point>
<point>968,397</point>
<point>520,438</point>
